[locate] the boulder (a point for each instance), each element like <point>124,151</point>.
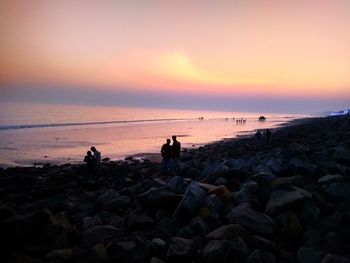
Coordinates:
<point>99,234</point>
<point>221,192</point>
<point>264,178</point>
<point>199,226</point>
<point>135,250</point>
<point>215,170</point>
<point>285,198</point>
<point>222,251</point>
<point>229,232</point>
<point>180,250</point>
<point>337,192</point>
<point>331,258</point>
<point>113,201</point>
<point>289,226</point>
<point>251,219</point>
<point>89,222</point>
<point>309,211</point>
<point>310,255</point>
<point>159,198</point>
<point>192,200</point>
<point>142,222</point>
<point>261,256</point>
<point>331,178</point>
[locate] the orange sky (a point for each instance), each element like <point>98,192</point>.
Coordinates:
<point>276,48</point>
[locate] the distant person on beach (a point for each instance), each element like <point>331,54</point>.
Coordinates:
<point>176,149</point>
<point>268,135</point>
<point>90,163</point>
<point>166,152</point>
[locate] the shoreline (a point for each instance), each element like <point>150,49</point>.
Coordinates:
<point>152,156</point>
<point>286,200</point>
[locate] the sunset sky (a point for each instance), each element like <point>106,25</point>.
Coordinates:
<point>234,55</point>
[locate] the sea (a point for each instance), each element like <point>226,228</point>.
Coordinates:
<point>36,134</point>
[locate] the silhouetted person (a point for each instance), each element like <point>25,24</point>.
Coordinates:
<point>97,159</point>
<point>166,152</point>
<point>90,163</point>
<point>176,149</point>
<point>97,155</point>
<point>268,135</point>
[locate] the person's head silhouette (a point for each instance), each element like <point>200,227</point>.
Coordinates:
<point>93,149</point>
<point>174,138</point>
<point>88,152</point>
<point>168,141</point>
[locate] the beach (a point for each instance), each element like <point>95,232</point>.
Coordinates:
<point>244,199</point>
<point>39,134</point>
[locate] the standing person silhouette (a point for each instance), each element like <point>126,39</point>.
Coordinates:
<point>176,149</point>
<point>166,152</point>
<point>97,159</point>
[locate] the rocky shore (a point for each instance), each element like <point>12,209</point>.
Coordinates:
<point>239,200</point>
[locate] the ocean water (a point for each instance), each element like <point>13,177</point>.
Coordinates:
<point>45,133</point>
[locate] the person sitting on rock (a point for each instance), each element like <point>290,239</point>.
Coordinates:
<point>176,149</point>
<point>166,152</point>
<point>90,164</point>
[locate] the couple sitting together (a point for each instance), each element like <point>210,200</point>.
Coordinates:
<point>171,153</point>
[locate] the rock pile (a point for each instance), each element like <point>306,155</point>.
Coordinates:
<point>241,200</point>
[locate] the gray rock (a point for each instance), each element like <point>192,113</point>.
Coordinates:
<point>310,255</point>
<point>333,178</point>
<point>113,201</point>
<point>229,232</point>
<point>180,250</point>
<point>135,250</point>
<point>309,211</point>
<point>261,256</point>
<point>342,155</point>
<point>222,251</point>
<point>192,200</point>
<point>99,234</point>
<point>289,226</point>
<point>251,219</point>
<point>177,184</point>
<point>215,170</point>
<point>283,199</point>
<point>337,191</point>
<point>277,166</point>
<point>140,222</point>
<point>89,222</point>
<point>159,198</point>
<point>264,178</point>
<point>331,258</point>
<point>199,226</point>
